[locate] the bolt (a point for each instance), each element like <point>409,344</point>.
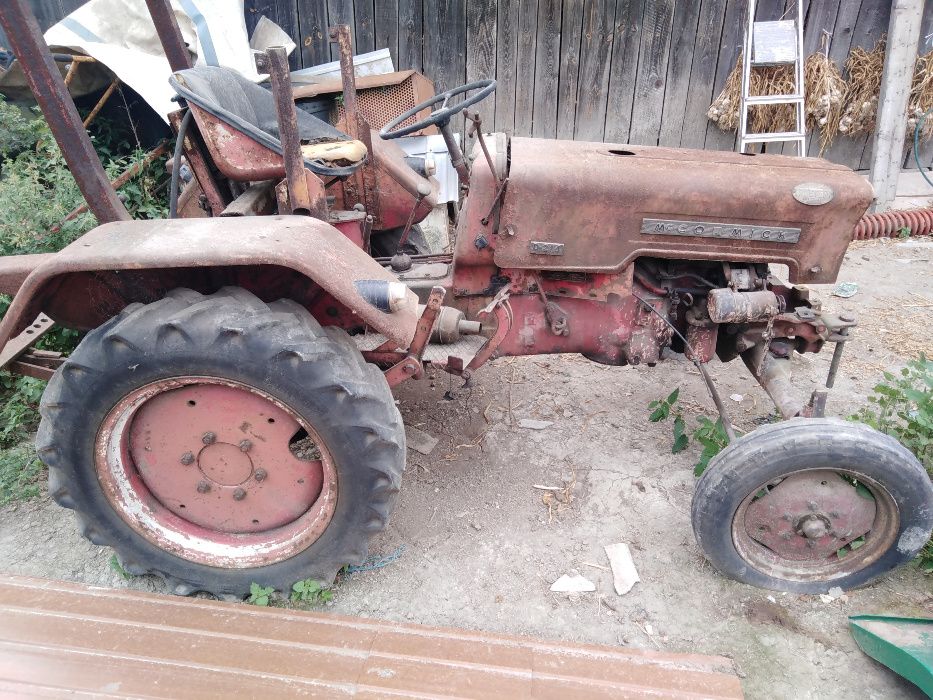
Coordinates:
<point>209,438</point>
<point>245,445</point>
<point>813,528</point>
<point>187,458</point>
<point>813,505</point>
<point>834,514</point>
<point>811,544</point>
<point>260,474</point>
<point>203,486</point>
<point>239,494</point>
<point>816,269</point>
<point>786,536</point>
<point>787,516</point>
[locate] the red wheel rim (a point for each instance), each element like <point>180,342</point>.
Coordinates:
<point>206,469</point>
<point>796,527</point>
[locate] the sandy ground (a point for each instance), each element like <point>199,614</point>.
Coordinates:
<point>478,548</point>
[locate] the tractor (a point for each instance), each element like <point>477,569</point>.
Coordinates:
<point>229,418</point>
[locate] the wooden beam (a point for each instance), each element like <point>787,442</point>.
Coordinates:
<point>901,54</point>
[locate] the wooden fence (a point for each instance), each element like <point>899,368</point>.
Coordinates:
<point>636,71</point>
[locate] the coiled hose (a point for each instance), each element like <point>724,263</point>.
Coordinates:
<point>891,223</point>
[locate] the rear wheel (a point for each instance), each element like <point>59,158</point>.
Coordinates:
<point>809,504</point>
<point>218,441</point>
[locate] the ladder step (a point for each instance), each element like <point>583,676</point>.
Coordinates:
<point>770,138</point>
<point>773,99</point>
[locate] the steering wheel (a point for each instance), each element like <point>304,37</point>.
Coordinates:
<point>441,117</point>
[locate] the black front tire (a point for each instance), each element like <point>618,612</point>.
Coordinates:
<point>775,451</point>
<point>280,349</point>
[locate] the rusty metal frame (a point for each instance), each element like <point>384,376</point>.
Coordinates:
<point>363,178</point>
<point>47,85</point>
<point>301,198</point>
<point>163,17</point>
<point>310,247</point>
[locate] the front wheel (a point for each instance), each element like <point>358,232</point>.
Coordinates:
<point>217,441</point>
<point>809,504</point>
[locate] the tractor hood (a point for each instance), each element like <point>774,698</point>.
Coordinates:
<point>595,207</point>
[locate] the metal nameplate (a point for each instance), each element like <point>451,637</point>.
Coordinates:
<point>708,229</point>
<point>544,248</point>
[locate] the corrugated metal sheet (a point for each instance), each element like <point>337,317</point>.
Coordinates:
<point>57,638</point>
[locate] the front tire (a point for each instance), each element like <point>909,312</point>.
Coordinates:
<point>217,441</point>
<point>812,503</point>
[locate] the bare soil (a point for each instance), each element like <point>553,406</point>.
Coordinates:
<point>478,546</point>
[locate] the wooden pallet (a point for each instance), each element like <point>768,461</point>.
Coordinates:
<point>65,638</point>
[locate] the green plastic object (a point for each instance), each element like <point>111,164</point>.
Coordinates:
<point>903,644</point>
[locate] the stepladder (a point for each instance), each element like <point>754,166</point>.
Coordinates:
<point>773,43</point>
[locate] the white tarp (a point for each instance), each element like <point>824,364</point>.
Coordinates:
<point>120,34</point>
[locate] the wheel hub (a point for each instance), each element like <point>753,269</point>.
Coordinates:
<point>233,432</point>
<point>809,516</point>
<point>225,464</point>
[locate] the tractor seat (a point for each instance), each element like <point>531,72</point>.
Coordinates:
<point>250,108</point>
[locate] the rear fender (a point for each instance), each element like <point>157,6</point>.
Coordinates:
<point>122,262</point>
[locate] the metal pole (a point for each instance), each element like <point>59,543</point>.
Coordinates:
<point>48,87</point>
<point>169,34</point>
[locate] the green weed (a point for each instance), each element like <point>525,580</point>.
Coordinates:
<point>118,568</point>
<point>902,406</point>
<point>20,471</point>
<point>259,595</point>
<point>311,592</point>
<point>711,435</point>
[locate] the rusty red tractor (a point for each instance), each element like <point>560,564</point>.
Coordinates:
<point>228,417</point>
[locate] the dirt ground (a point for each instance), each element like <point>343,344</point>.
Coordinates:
<point>472,544</point>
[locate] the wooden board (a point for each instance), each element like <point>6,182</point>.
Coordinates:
<point>651,81</point>
<point>570,35</point>
<point>506,57</point>
<point>684,31</point>
<point>525,66</point>
<point>703,86</point>
<point>386,27</point>
<point>643,71</point>
<point>65,639</point>
<point>481,55</point>
<point>547,69</point>
<point>410,35</point>
<point>313,39</point>
<point>623,70</point>
<point>595,53</point>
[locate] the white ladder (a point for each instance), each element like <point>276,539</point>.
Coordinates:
<point>773,44</point>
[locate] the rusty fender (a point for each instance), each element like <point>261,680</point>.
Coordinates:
<point>142,260</point>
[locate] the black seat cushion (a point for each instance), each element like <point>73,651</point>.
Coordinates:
<point>250,108</point>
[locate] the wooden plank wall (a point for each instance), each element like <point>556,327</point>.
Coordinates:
<point>636,71</point>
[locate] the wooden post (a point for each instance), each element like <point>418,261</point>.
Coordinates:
<point>901,54</point>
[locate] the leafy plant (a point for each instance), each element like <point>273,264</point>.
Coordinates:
<point>903,232</point>
<point>312,592</point>
<point>37,192</point>
<point>712,435</point>
<point>259,595</point>
<point>902,406</point>
<point>661,408</point>
<point>20,470</point>
<point>118,568</point>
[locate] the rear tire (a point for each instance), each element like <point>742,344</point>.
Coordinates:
<point>229,344</point>
<point>757,526</point>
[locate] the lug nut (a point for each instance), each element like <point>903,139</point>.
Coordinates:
<point>203,486</point>
<point>187,458</point>
<point>260,475</point>
<point>245,445</point>
<point>209,438</point>
<point>239,494</point>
